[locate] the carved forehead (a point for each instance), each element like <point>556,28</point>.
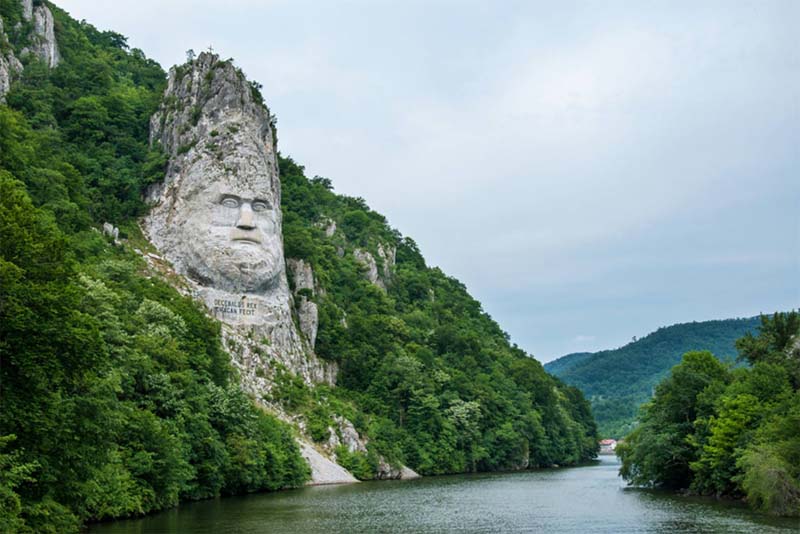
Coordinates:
<point>215,181</point>
<point>222,189</point>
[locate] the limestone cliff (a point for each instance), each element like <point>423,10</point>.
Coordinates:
<point>216,217</point>
<point>304,289</point>
<point>41,43</point>
<point>43,39</point>
<point>10,66</point>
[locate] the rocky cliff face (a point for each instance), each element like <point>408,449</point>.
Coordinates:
<point>43,40</point>
<point>42,44</point>
<point>217,218</point>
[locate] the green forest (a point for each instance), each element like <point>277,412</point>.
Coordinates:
<point>117,397</point>
<point>733,432</point>
<point>618,381</point>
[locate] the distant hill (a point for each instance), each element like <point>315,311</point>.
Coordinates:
<point>565,363</point>
<point>618,381</point>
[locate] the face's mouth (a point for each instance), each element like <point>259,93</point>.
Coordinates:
<point>242,236</point>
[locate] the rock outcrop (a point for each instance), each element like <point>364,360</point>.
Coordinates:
<point>27,9</point>
<point>217,218</point>
<point>382,277</point>
<point>345,434</point>
<point>42,45</point>
<point>43,41</point>
<point>9,64</point>
<point>328,226</point>
<point>304,290</point>
<point>388,256</point>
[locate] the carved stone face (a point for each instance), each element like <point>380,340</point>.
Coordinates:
<point>232,236</point>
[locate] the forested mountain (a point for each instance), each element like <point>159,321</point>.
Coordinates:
<point>618,381</point>
<point>117,392</point>
<point>713,430</point>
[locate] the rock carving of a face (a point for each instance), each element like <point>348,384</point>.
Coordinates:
<point>233,237</point>
<point>217,215</point>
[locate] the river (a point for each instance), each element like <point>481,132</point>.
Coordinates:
<point>578,500</point>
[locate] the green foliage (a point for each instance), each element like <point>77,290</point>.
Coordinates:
<point>721,432</point>
<point>363,465</point>
<point>92,112</point>
<point>658,453</point>
<point>619,381</point>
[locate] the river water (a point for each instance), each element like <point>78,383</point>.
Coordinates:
<point>589,499</point>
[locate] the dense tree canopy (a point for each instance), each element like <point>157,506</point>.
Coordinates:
<point>722,431</point>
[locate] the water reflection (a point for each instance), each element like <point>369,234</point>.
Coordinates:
<point>583,499</point>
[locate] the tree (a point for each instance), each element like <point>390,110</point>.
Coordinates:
<point>658,452</point>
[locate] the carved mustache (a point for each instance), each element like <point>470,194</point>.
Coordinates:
<point>237,234</point>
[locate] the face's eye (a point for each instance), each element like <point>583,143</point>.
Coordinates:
<point>260,206</point>
<point>230,202</point>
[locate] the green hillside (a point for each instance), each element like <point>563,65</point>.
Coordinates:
<point>618,381</point>
<point>713,430</point>
<point>117,397</point>
<point>559,366</point>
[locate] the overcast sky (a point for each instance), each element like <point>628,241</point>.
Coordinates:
<point>590,170</point>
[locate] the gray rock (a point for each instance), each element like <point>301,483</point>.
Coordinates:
<point>5,78</point>
<point>370,267</point>
<point>10,66</point>
<point>388,255</point>
<point>302,274</point>
<point>406,473</point>
<point>308,316</point>
<point>371,273</point>
<point>307,311</point>
<point>328,225</point>
<point>27,9</point>
<point>110,230</point>
<point>43,41</point>
<point>347,435</point>
<point>387,472</point>
<point>323,470</point>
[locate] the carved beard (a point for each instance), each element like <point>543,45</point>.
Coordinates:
<point>239,268</point>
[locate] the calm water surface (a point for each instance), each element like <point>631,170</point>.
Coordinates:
<point>580,499</point>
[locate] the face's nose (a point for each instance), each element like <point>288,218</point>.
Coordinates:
<point>245,221</point>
